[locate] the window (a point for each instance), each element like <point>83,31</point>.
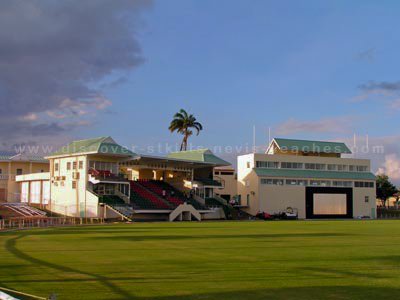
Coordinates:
<point>320,183</point>
<point>1,171</point>
<point>248,199</point>
<point>342,183</point>
<point>227,173</point>
<point>74,184</point>
<point>362,168</point>
<point>296,182</point>
<point>56,167</point>
<point>363,184</point>
<point>80,165</point>
<point>19,171</point>
<point>342,167</point>
<point>267,164</point>
<point>309,166</point>
<point>74,165</point>
<point>291,165</point>
<point>352,168</point>
<point>366,199</point>
<point>332,167</point>
<point>68,166</point>
<point>271,181</point>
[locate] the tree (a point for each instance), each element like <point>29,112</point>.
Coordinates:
<point>384,188</point>
<point>183,123</point>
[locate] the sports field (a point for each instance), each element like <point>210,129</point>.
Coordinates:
<point>208,260</point>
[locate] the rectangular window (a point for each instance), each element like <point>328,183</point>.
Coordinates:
<point>364,184</point>
<point>352,168</point>
<point>68,166</point>
<point>291,165</point>
<point>332,167</point>
<point>1,171</point>
<point>74,165</point>
<point>342,168</point>
<point>296,182</point>
<point>80,165</point>
<point>271,181</point>
<point>19,171</point>
<point>56,167</point>
<point>320,183</point>
<point>227,173</point>
<point>74,184</point>
<point>267,164</point>
<point>362,168</point>
<point>310,166</point>
<point>366,199</point>
<point>342,184</point>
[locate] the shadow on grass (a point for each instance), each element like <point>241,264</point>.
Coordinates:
<point>298,293</point>
<point>11,247</point>
<point>264,237</point>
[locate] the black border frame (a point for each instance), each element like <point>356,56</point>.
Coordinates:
<point>310,191</point>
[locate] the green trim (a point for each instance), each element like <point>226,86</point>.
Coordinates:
<point>101,145</point>
<point>312,146</point>
<point>313,174</point>
<point>201,155</point>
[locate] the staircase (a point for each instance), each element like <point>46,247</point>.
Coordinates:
<point>124,211</point>
<point>20,210</point>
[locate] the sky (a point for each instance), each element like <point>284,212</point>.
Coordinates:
<point>325,70</point>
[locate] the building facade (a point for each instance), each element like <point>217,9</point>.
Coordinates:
<point>96,177</point>
<point>15,165</point>
<point>310,177</point>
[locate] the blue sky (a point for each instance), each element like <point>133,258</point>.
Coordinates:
<point>307,69</point>
<point>236,64</point>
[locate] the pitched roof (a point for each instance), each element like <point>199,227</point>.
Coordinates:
<point>314,174</point>
<point>201,155</point>
<point>100,145</point>
<point>311,146</point>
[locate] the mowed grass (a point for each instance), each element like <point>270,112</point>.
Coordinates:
<point>208,260</point>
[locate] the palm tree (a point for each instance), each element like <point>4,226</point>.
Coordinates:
<point>183,123</point>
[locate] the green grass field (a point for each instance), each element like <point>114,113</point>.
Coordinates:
<point>208,260</point>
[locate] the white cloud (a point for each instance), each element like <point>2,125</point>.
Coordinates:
<point>29,117</point>
<point>327,125</point>
<point>391,167</point>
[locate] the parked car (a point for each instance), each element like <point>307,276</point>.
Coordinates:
<point>264,216</point>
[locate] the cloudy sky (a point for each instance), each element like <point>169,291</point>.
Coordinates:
<point>306,69</point>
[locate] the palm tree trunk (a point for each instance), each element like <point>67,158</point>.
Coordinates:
<point>184,142</point>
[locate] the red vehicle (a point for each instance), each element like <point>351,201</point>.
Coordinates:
<point>264,216</point>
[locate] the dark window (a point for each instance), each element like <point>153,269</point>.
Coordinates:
<point>19,171</point>
<point>68,166</point>
<point>80,165</point>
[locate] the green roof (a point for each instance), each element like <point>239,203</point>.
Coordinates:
<point>314,174</point>
<point>101,145</point>
<point>201,155</point>
<point>312,146</point>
